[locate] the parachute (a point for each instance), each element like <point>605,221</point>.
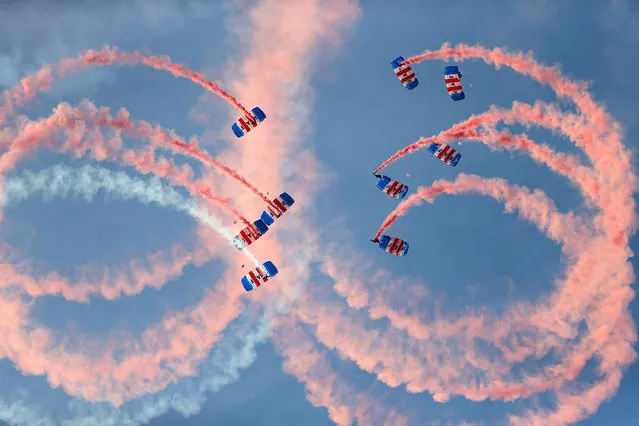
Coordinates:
<point>259,276</point>
<point>446,153</point>
<point>404,73</point>
<point>248,122</point>
<point>452,77</point>
<point>391,187</point>
<point>280,205</point>
<point>392,245</point>
<point>251,233</point>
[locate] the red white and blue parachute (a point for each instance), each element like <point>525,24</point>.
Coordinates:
<point>391,187</point>
<point>446,153</point>
<point>250,234</point>
<point>404,73</point>
<point>259,276</point>
<point>279,205</point>
<point>392,245</point>
<point>452,78</point>
<point>247,123</point>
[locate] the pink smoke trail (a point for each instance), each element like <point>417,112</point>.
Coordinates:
<point>141,370</point>
<point>71,121</point>
<point>83,141</point>
<point>206,159</point>
<point>596,288</point>
<point>29,86</point>
<point>168,350</point>
<point>325,388</point>
<point>163,138</point>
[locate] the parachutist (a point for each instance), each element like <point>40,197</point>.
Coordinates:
<point>246,123</point>
<point>249,234</point>
<point>277,208</point>
<point>452,78</point>
<point>445,153</point>
<point>259,276</point>
<point>391,187</point>
<point>404,73</point>
<point>392,245</point>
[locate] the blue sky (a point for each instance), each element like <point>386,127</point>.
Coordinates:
<point>360,116</point>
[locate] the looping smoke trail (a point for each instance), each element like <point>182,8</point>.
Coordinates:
<point>594,291</point>
<point>72,122</point>
<point>148,374</point>
<point>440,355</point>
<point>87,181</point>
<point>325,387</point>
<point>161,357</point>
<point>167,351</point>
<point>206,159</point>
<point>28,87</point>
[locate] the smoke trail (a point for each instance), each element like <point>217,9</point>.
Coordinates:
<point>30,85</point>
<point>91,180</point>
<point>80,140</point>
<point>222,367</point>
<point>293,48</point>
<point>595,289</point>
<point>159,137</point>
<point>538,206</point>
<point>87,181</point>
<point>206,159</point>
<point>325,387</point>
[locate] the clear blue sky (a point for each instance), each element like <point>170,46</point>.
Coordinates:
<point>360,116</point>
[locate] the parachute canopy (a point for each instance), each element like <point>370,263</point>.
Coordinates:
<point>246,123</point>
<point>391,187</point>
<point>251,233</point>
<point>280,205</point>
<point>392,245</point>
<point>446,153</point>
<point>259,275</point>
<point>405,73</point>
<point>452,77</point>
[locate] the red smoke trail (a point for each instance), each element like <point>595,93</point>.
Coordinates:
<point>161,268</point>
<point>165,354</point>
<point>441,356</point>
<point>595,291</point>
<point>29,86</point>
<point>161,138</point>
<point>168,350</point>
<point>325,388</point>
<point>83,141</point>
<point>41,80</point>
<point>72,122</point>
<point>165,138</point>
<point>206,159</point>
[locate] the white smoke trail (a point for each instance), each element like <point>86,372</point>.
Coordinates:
<point>87,181</point>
